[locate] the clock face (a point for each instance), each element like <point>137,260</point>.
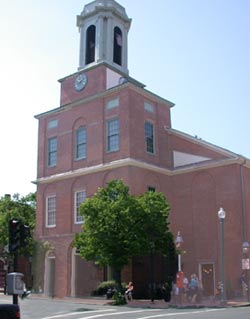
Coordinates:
<point>80,82</point>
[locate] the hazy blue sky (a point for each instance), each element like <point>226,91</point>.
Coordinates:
<point>195,53</point>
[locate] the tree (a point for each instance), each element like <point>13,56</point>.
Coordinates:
<point>118,226</point>
<point>21,208</point>
<point>108,219</point>
<point>152,224</point>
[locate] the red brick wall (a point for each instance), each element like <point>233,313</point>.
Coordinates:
<point>194,196</point>
<point>96,83</point>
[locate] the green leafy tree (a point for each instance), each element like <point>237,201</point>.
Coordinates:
<point>152,226</point>
<point>108,219</point>
<point>118,226</point>
<point>17,207</point>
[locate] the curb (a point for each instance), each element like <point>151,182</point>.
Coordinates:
<point>138,303</point>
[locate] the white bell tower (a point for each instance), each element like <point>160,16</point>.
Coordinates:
<point>103,26</point>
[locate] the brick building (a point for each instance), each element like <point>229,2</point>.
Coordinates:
<point>108,126</point>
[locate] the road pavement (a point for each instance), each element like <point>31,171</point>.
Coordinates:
<point>35,307</point>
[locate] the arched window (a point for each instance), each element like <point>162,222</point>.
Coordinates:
<point>90,44</point>
<point>117,56</point>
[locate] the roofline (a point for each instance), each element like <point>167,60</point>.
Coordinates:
<point>106,64</point>
<point>204,143</point>
<point>87,99</point>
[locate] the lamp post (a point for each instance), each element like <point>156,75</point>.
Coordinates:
<point>178,242</point>
<point>152,285</point>
<point>245,265</point>
<point>222,216</point>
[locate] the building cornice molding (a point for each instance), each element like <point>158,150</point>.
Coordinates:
<point>117,88</point>
<point>143,165</point>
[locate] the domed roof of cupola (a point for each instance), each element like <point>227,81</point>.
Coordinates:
<point>104,5</point>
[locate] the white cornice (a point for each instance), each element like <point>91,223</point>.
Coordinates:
<point>139,164</point>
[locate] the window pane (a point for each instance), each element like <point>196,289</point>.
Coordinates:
<point>51,211</point>
<point>52,124</point>
<point>148,107</point>
<point>52,151</point>
<point>149,137</point>
<point>79,198</point>
<point>81,143</point>
<point>113,135</point>
<point>112,104</point>
<point>151,189</point>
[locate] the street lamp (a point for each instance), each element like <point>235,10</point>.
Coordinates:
<point>245,265</point>
<point>152,286</point>
<point>178,242</point>
<point>222,216</point>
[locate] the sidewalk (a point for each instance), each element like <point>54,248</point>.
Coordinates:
<point>157,304</point>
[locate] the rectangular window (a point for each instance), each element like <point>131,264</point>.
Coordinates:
<point>80,197</point>
<point>112,104</point>
<point>81,143</point>
<point>149,137</point>
<point>113,135</point>
<point>52,151</point>
<point>151,189</point>
<point>51,211</point>
<point>149,107</point>
<point>52,124</point>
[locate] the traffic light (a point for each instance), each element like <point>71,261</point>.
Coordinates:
<point>19,234</point>
<point>24,235</point>
<point>14,234</point>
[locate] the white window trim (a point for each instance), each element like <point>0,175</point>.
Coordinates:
<point>47,201</point>
<point>52,152</point>
<point>108,136</point>
<point>75,205</point>
<point>76,144</point>
<point>153,125</point>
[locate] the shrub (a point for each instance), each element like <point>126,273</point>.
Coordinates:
<point>119,299</point>
<point>102,288</point>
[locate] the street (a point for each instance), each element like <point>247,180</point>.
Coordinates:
<point>51,309</point>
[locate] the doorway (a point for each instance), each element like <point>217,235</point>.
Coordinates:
<point>49,280</point>
<point>207,278</point>
<point>85,276</point>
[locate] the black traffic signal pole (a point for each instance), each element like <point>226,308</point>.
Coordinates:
<point>18,236</point>
<point>14,243</point>
<point>15,265</point>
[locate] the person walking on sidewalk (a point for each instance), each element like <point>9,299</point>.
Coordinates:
<point>193,288</point>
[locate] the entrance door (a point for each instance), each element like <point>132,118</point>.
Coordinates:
<point>207,278</point>
<point>49,281</point>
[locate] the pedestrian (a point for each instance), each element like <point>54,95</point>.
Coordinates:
<point>129,291</point>
<point>193,288</point>
<point>180,286</point>
<point>185,288</point>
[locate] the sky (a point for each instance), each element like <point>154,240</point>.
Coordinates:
<point>195,53</point>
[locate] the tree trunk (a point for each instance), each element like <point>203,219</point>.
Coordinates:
<point>118,278</point>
